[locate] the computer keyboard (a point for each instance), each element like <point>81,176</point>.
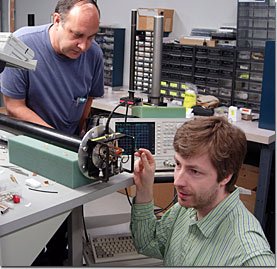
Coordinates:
<point>115,247</point>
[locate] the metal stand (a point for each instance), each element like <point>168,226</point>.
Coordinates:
<point>157,60</point>
<point>131,99</point>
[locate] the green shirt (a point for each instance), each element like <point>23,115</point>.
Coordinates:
<point>228,236</point>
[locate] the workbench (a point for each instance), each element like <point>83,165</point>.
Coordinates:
<point>25,229</point>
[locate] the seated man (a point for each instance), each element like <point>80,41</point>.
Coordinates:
<point>209,226</point>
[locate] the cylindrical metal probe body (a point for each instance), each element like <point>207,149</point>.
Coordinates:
<point>157,60</point>
<point>133,49</point>
<point>39,132</point>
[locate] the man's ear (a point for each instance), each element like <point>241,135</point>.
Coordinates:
<point>225,181</point>
<point>56,18</point>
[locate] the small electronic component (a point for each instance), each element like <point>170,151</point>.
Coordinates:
<point>3,208</point>
<point>32,183</point>
<point>16,199</point>
<point>13,179</point>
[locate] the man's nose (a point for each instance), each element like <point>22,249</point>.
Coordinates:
<point>82,45</point>
<point>180,178</point>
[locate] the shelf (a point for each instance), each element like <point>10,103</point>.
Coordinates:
<point>111,41</point>
<point>256,24</point>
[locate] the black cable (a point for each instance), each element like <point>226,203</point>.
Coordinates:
<point>46,191</point>
<point>85,228</point>
<point>128,197</point>
<point>156,211</point>
<point>126,114</point>
<point>110,116</point>
<point>127,159</point>
<point>125,122</point>
<point>107,131</point>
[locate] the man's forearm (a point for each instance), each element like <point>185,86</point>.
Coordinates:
<point>26,114</point>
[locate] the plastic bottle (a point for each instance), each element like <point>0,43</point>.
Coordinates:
<point>190,96</point>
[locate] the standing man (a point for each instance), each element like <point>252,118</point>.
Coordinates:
<point>209,226</point>
<point>69,71</point>
<point>59,93</point>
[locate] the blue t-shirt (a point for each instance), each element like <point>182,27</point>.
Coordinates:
<point>59,87</point>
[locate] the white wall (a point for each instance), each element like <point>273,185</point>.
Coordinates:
<point>5,16</point>
<point>41,8</point>
<point>188,14</point>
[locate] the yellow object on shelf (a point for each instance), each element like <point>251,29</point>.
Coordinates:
<point>189,99</point>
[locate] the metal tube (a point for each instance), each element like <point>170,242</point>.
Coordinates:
<point>132,49</point>
<point>157,60</point>
<point>39,132</point>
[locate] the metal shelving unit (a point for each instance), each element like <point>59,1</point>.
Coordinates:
<point>111,41</point>
<point>233,75</point>
<point>143,61</point>
<point>255,25</point>
<point>210,69</point>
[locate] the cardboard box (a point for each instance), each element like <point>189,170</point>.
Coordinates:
<point>191,41</point>
<point>248,177</point>
<point>131,191</point>
<point>163,193</point>
<point>249,200</point>
<point>3,110</point>
<point>146,18</point>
